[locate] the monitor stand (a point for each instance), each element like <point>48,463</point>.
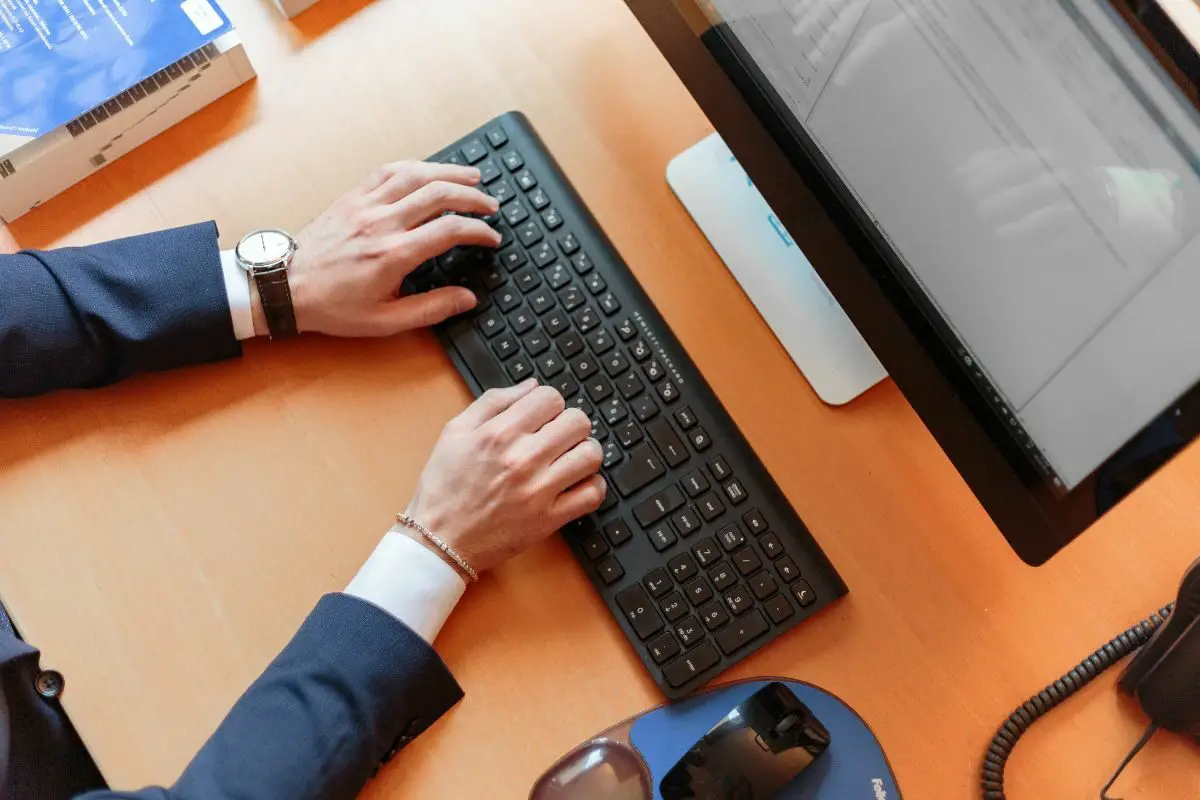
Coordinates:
<point>773,272</point>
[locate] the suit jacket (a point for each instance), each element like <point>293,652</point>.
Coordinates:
<point>352,687</point>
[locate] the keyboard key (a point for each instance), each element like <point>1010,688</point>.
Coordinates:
<point>451,158</point>
<point>699,439</point>
<point>505,346</point>
<point>629,384</point>
<point>642,468</point>
<point>582,264</point>
<point>474,151</point>
<point>568,244</point>
<point>654,370</point>
<point>584,367</point>
<point>513,259</point>
<point>787,569</point>
<point>686,522</point>
<point>734,491</point>
<point>542,254</point>
<point>771,546</point>
<point>628,434</point>
<point>582,404</point>
<point>667,391</point>
<point>490,324</point>
<point>689,665</point>
<point>489,171</point>
<point>763,585</point>
<point>525,180</point>
<point>683,567</point>
<point>613,454</point>
<point>658,582</point>
<point>737,600</point>
<point>610,497</point>
<point>804,593</point>
<point>529,233</point>
<point>595,546</point>
<point>566,385</point>
<point>673,607</point>
<point>599,432</point>
<point>713,614</point>
<point>536,343</point>
<point>746,560</point>
<point>541,301</point>
<point>688,631</point>
<point>698,591</point>
<point>586,318</point>
<point>731,537</point>
<point>706,552</point>
<point>644,408</point>
<point>502,191</point>
<point>600,341</point>
<point>527,279</point>
<point>669,443</point>
<point>558,277</point>
<point>610,571</point>
<point>609,304</point>
<point>598,389</point>
<point>613,411</point>
<point>710,506</point>
<point>494,277</point>
<point>722,576</point>
<point>755,522</point>
<point>595,283</point>
<point>556,322</point>
<point>552,219</point>
<point>570,345</point>
<point>522,321</point>
<point>663,647</point>
<point>615,363</point>
<point>512,159</point>
<point>550,365</point>
<point>639,611</point>
<point>571,298</point>
<point>658,506</point>
<point>695,484</point>
<point>719,468</point>
<point>497,137</point>
<point>686,419</point>
<point>742,632</point>
<point>518,369</point>
<point>539,199</point>
<point>618,532</point>
<point>640,350</point>
<point>778,608</point>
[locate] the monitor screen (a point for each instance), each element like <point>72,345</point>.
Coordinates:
<point>1035,175</point>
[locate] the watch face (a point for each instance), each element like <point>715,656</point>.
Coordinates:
<point>264,248</point>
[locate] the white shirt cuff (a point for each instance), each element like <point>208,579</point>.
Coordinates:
<point>411,583</point>
<point>237,288</point>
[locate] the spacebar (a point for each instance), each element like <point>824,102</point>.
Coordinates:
<point>479,359</point>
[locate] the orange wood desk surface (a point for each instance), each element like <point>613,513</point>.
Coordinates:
<point>163,539</point>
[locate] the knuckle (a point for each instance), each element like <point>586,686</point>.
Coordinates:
<point>551,398</point>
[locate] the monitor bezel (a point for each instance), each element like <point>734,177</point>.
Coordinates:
<point>860,269</point>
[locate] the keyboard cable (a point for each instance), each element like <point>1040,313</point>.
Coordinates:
<point>1042,703</point>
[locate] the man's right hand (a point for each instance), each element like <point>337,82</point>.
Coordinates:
<point>507,472</point>
<point>350,261</point>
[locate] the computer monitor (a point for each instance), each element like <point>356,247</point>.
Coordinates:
<point>1005,198</point>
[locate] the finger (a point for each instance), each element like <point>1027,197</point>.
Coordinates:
<point>559,435</point>
<point>530,413</point>
<point>435,199</point>
<point>495,401</point>
<point>578,464</point>
<point>437,237</point>
<point>581,499</point>
<point>423,310</point>
<point>400,179</point>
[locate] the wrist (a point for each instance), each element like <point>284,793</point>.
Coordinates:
<point>416,536</point>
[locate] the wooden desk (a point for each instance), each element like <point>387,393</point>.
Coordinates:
<point>164,538</point>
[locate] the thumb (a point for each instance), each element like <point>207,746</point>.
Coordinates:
<point>424,309</point>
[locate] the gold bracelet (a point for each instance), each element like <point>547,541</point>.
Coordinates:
<point>450,552</point>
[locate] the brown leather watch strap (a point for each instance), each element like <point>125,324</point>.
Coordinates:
<point>276,297</point>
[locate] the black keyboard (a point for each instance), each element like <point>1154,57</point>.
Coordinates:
<point>695,550</point>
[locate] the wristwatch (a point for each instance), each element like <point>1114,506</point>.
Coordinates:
<point>266,255</point>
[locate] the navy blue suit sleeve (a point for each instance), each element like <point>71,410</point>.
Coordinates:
<point>353,687</point>
<point>88,316</point>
